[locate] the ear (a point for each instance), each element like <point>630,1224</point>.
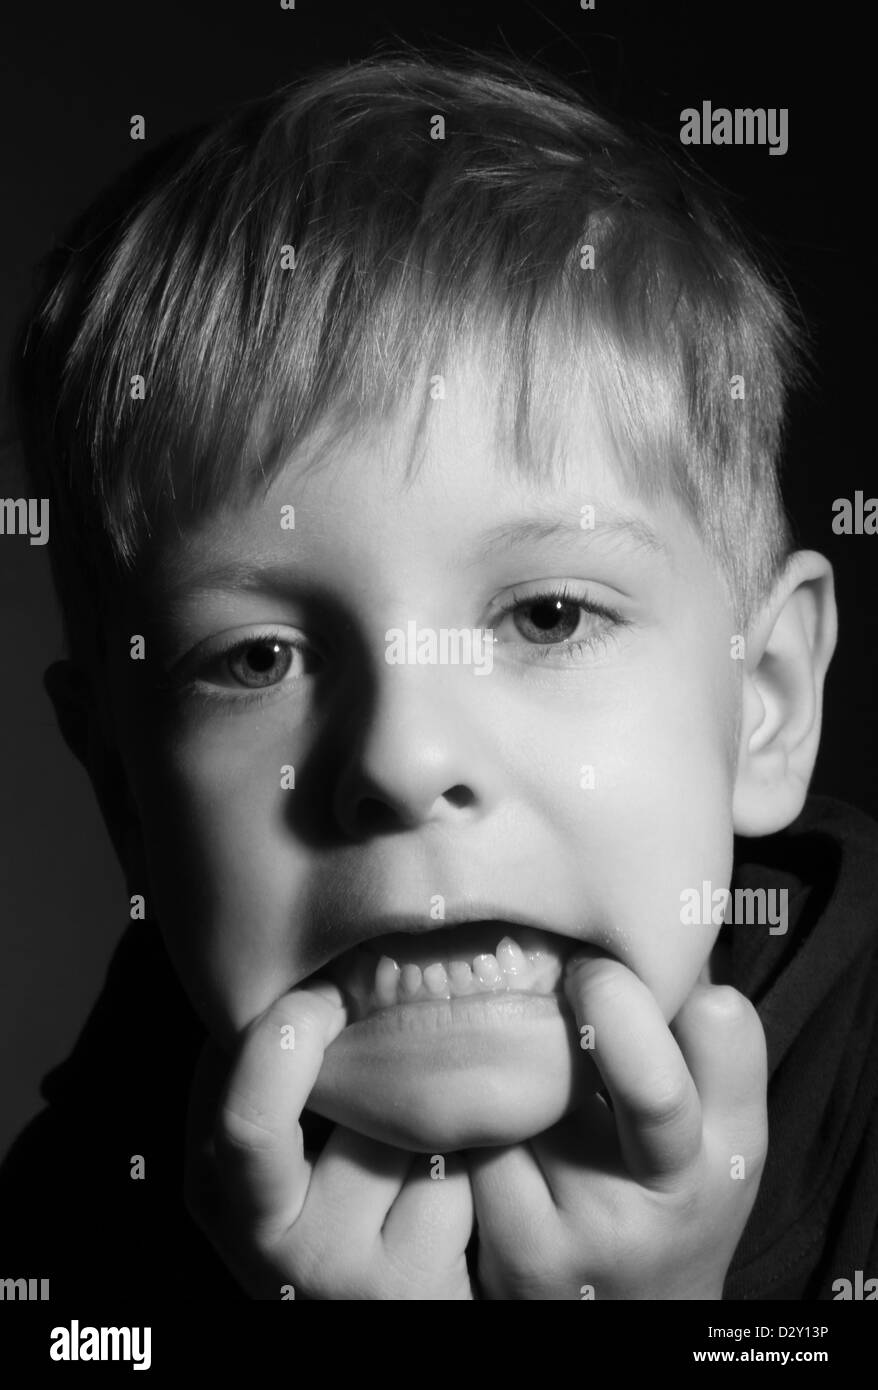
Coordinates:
<point>787,652</point>
<point>85,727</point>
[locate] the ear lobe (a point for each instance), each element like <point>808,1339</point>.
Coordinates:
<point>789,650</point>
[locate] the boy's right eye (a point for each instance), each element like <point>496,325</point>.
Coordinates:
<point>244,668</point>
<point>258,662</point>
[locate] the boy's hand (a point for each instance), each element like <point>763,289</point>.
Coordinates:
<point>363,1221</point>
<point>650,1200</point>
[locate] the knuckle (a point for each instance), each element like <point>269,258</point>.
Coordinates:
<point>668,1101</point>
<point>750,1043</point>
<point>604,981</point>
<point>727,1004</point>
<point>243,1128</point>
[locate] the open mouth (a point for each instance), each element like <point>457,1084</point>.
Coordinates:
<point>472,958</point>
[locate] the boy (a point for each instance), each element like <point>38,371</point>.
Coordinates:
<point>399,378</point>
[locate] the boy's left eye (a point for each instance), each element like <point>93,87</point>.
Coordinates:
<point>557,623</point>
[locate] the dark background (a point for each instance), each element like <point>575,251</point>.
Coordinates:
<point>71,77</point>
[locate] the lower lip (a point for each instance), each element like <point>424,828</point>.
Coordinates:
<point>459,1072</point>
<point>468,1013</point>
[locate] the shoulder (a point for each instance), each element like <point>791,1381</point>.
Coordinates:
<point>91,1190</point>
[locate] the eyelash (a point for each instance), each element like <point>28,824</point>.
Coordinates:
<point>563,594</point>
<point>227,702</point>
<point>223,700</point>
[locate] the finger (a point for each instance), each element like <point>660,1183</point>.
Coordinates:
<point>511,1199</point>
<point>431,1220</point>
<point>655,1101</point>
<point>548,1171</point>
<point>583,1146</point>
<point>203,1194</point>
<point>353,1186</point>
<point>259,1142</point>
<point>721,1037</point>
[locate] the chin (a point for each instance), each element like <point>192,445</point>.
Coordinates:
<point>456,1074</point>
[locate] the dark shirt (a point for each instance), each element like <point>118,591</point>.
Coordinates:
<point>70,1210</point>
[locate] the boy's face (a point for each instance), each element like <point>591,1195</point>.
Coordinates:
<point>559,795</point>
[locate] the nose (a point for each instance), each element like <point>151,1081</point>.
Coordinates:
<point>423,753</point>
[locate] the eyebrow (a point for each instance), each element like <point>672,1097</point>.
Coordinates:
<point>608,521</point>
<point>250,575</point>
<point>233,575</point>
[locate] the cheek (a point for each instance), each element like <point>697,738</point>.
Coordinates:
<point>223,875</point>
<point>685,833</point>
<point>652,824</point>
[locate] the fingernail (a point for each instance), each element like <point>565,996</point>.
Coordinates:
<point>581,956</point>
<point>328,991</point>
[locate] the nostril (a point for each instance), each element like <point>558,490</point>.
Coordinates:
<point>460,796</point>
<point>368,815</point>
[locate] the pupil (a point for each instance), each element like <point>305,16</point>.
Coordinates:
<point>554,620</point>
<point>261,656</point>
<point>546,614</point>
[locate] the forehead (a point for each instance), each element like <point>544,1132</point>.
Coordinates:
<point>445,472</point>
